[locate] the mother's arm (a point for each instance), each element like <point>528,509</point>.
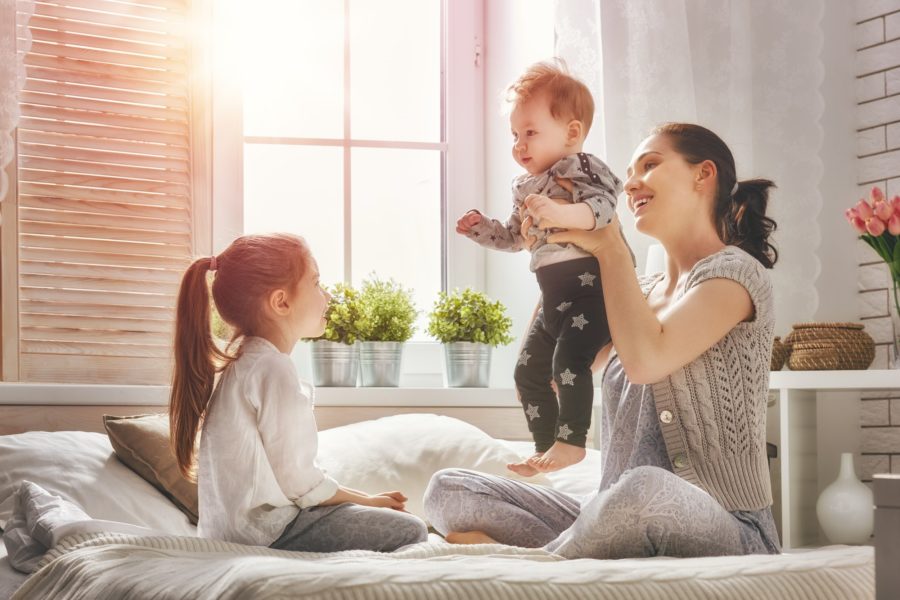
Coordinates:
<point>650,345</point>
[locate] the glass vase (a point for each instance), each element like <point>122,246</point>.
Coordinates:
<point>894,349</point>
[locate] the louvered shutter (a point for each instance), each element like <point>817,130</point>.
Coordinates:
<point>104,190</point>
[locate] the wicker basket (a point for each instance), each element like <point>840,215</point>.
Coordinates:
<point>829,346</point>
<point>779,354</point>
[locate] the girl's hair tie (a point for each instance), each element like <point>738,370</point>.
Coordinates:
<point>212,263</point>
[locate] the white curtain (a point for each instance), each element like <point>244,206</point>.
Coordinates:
<point>749,70</point>
<point>13,13</point>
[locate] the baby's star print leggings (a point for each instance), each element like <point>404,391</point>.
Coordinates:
<point>563,340</point>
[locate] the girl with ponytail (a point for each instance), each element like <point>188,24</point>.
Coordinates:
<point>258,481</point>
<point>685,382</point>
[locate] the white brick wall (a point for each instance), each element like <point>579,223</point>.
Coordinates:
<point>878,163</point>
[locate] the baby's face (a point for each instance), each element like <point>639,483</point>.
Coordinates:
<point>539,139</point>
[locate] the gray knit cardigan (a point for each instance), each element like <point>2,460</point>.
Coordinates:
<point>712,411</point>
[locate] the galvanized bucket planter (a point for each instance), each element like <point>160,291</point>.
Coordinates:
<point>380,363</point>
<point>334,364</point>
<point>468,364</point>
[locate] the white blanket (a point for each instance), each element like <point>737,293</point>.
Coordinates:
<point>40,520</point>
<point>130,567</point>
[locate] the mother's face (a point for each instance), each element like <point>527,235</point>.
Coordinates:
<point>660,187</point>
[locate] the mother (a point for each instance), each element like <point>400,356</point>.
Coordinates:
<point>685,386</point>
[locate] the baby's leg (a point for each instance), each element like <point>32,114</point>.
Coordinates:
<point>584,331</point>
<point>533,384</point>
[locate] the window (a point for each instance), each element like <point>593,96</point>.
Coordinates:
<point>347,134</point>
<point>99,226</point>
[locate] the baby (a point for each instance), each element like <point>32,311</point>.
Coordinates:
<point>551,116</point>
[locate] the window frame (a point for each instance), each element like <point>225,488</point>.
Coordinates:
<point>463,185</point>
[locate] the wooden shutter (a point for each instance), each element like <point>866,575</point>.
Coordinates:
<point>104,190</point>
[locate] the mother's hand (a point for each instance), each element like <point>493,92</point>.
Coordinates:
<point>595,241</point>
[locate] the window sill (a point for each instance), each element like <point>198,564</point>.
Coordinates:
<point>50,394</point>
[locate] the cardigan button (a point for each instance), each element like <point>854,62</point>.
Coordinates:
<point>665,416</point>
<point>680,461</point>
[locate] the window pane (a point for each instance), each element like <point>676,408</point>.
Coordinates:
<point>395,69</point>
<point>293,68</point>
<point>396,203</point>
<point>298,189</point>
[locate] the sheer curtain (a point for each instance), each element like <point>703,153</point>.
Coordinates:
<point>748,70</point>
<point>12,76</point>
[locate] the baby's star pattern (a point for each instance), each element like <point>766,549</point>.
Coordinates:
<point>523,358</point>
<point>563,306</point>
<point>587,279</point>
<point>567,377</point>
<point>579,322</point>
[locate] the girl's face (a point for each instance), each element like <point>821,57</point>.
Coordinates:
<point>309,304</point>
<point>660,187</point>
<point>539,139</point>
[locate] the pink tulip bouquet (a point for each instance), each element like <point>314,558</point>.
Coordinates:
<point>878,223</point>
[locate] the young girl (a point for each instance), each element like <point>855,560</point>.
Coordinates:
<point>257,476</point>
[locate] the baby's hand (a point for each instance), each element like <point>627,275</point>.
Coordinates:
<point>468,221</point>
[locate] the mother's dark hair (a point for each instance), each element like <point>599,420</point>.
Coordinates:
<point>740,218</point>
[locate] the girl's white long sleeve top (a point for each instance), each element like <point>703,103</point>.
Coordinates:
<point>257,464</point>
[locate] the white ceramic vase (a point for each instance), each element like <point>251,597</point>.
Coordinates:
<point>846,507</point>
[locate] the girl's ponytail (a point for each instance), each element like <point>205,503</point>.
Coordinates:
<point>742,221</point>
<point>197,359</point>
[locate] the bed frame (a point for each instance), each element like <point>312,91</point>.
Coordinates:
<point>887,536</point>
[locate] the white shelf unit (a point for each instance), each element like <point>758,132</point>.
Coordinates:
<point>793,428</point>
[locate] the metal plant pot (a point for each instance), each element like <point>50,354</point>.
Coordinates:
<point>380,363</point>
<point>334,364</point>
<point>468,364</point>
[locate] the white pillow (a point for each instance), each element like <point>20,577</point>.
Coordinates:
<point>402,452</point>
<point>82,468</point>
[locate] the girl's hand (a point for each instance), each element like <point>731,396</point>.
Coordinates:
<point>394,500</point>
<point>465,223</point>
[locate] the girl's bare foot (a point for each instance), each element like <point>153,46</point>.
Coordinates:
<point>559,456</point>
<point>524,467</point>
<point>469,537</point>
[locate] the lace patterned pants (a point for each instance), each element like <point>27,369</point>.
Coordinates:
<point>648,512</point>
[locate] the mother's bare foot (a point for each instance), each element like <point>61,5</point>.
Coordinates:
<point>524,467</point>
<point>559,456</point>
<point>469,537</point>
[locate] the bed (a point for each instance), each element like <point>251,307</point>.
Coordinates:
<point>135,542</point>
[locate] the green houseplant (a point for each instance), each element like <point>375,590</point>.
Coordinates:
<point>386,320</point>
<point>469,324</point>
<point>335,355</point>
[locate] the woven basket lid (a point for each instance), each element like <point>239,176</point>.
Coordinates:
<point>817,345</point>
<point>828,325</point>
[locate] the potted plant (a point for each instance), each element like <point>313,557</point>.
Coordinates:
<point>469,324</point>
<point>386,321</point>
<point>335,354</point>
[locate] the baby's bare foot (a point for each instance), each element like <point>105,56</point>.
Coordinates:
<point>524,467</point>
<point>469,537</point>
<point>559,456</point>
